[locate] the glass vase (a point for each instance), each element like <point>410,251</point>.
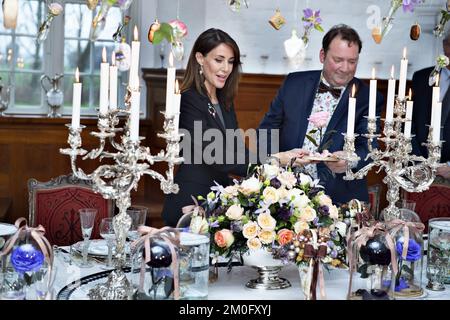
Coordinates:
<point>438,254</point>
<point>99,21</point>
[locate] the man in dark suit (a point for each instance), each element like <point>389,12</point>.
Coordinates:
<point>305,93</point>
<point>422,94</point>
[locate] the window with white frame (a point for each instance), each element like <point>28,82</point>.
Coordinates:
<point>23,61</point>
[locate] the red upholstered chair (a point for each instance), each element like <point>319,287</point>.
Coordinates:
<point>433,203</point>
<point>55,204</point>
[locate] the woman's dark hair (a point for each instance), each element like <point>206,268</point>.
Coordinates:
<point>206,42</point>
<point>344,32</point>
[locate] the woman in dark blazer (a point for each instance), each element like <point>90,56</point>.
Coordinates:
<point>208,89</point>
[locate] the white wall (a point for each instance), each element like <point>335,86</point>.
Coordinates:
<point>257,38</point>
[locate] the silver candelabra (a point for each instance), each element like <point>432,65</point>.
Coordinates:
<point>115,181</point>
<point>403,169</point>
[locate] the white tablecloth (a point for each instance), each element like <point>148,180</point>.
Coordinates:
<point>231,286</point>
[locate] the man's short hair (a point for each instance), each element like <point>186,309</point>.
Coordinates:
<point>345,33</point>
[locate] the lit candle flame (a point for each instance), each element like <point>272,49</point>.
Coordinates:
<point>353,90</point>
<point>404,53</point>
<point>135,33</point>
<point>170,59</point>
<point>113,58</point>
<point>77,75</point>
<point>373,73</point>
<point>104,55</point>
<point>177,87</point>
<point>437,81</point>
<point>410,94</point>
<point>392,72</point>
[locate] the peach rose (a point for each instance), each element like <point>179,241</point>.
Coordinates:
<point>334,212</point>
<point>250,230</point>
<point>267,236</point>
<point>324,200</point>
<point>266,221</point>
<point>254,244</point>
<point>285,236</point>
<point>235,212</point>
<point>224,238</point>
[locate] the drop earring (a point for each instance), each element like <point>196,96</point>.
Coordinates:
<point>201,70</point>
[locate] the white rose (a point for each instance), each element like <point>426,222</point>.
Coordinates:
<point>307,214</point>
<point>293,194</point>
<point>270,171</point>
<point>267,236</point>
<point>254,244</point>
<point>250,230</point>
<point>305,179</point>
<point>231,191</point>
<point>249,186</point>
<point>299,226</point>
<point>235,212</point>
<point>266,221</point>
<point>301,201</point>
<point>287,179</point>
<point>270,195</point>
<point>341,228</point>
<point>334,212</point>
<point>324,200</point>
<point>283,194</point>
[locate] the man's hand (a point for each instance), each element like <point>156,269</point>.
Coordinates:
<point>337,166</point>
<point>444,171</point>
<point>286,157</point>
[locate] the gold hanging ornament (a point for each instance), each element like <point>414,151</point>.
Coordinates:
<point>277,20</point>
<point>91,4</point>
<point>153,28</point>
<point>376,35</point>
<point>414,33</point>
<point>10,13</point>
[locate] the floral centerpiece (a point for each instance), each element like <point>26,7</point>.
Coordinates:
<point>280,209</point>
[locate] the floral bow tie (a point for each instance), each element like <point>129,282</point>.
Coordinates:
<point>335,92</point>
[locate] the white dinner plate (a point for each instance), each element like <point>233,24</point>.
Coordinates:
<point>7,229</point>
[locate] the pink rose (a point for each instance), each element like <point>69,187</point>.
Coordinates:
<point>179,28</point>
<point>319,119</point>
<point>224,238</point>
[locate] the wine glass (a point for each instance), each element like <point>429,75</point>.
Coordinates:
<point>87,218</point>
<point>107,233</point>
<point>138,214</point>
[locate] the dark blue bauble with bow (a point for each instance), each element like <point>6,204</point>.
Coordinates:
<point>376,252</point>
<point>160,254</point>
<point>26,258</point>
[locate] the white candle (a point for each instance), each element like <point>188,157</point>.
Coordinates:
<point>435,98</point>
<point>134,67</point>
<point>408,117</point>
<point>351,113</point>
<point>176,106</point>
<point>170,86</point>
<point>403,73</point>
<point>134,116</point>
<point>113,83</point>
<point>437,123</point>
<point>390,97</point>
<point>76,101</point>
<point>372,95</point>
<point>104,83</point>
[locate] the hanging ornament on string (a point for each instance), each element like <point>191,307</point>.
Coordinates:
<point>277,20</point>
<point>10,13</point>
<point>415,31</point>
<point>179,31</point>
<point>295,48</point>
<point>235,5</point>
<point>117,36</point>
<point>99,21</point>
<point>54,10</point>
<point>123,56</point>
<point>91,4</point>
<point>124,4</point>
